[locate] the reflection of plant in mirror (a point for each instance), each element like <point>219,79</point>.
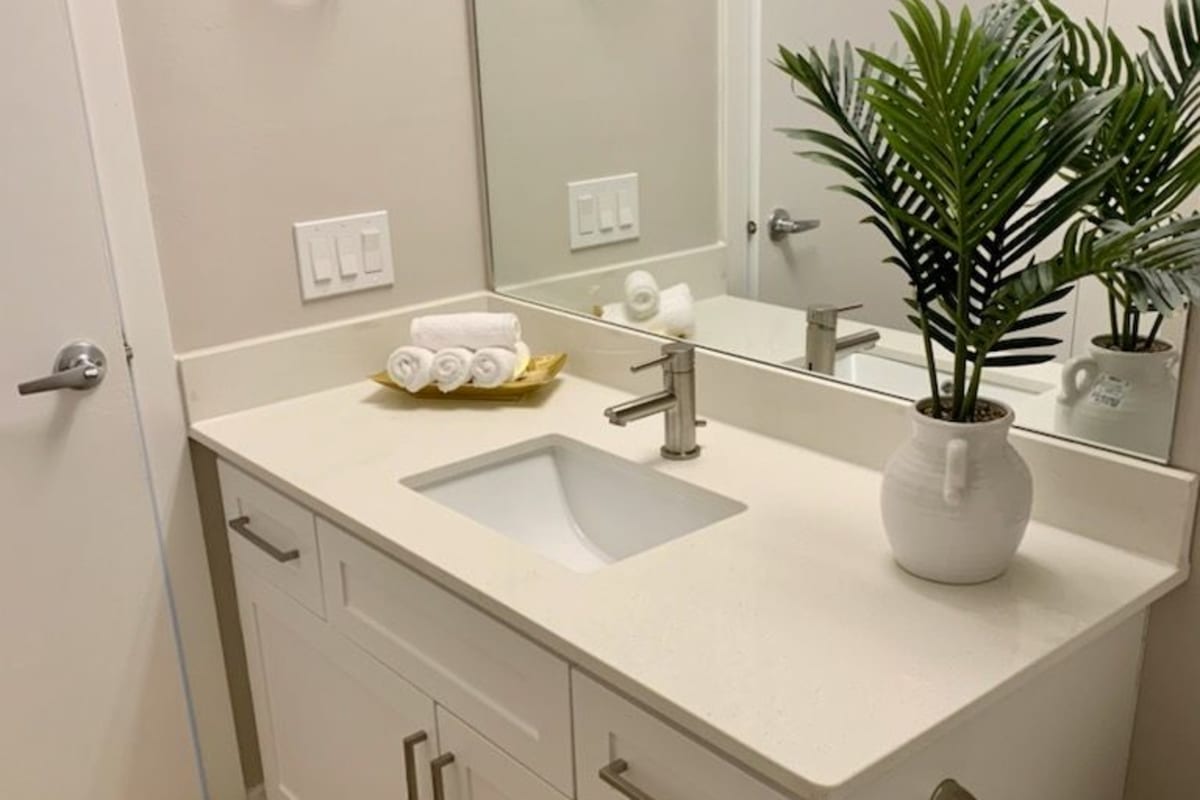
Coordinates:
<point>1149,136</point>
<point>956,151</point>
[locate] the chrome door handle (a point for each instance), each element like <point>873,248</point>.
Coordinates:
<point>950,790</point>
<point>410,761</point>
<point>614,776</point>
<point>242,526</point>
<point>79,365</point>
<point>439,780</point>
<point>781,225</point>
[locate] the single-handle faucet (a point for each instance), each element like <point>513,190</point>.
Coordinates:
<point>676,402</point>
<point>821,343</point>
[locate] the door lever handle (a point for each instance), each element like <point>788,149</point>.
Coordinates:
<point>79,365</point>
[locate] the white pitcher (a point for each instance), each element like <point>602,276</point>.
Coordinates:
<point>956,499</point>
<point>1121,399</point>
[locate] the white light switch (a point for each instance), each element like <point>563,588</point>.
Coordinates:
<point>586,206</point>
<point>603,211</point>
<point>372,248</point>
<point>349,256</point>
<point>321,252</point>
<point>344,254</point>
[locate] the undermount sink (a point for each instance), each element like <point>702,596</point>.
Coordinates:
<point>898,374</point>
<point>573,503</point>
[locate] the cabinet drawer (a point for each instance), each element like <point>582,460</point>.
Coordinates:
<point>480,771</point>
<point>505,686</point>
<point>658,760</point>
<point>272,535</point>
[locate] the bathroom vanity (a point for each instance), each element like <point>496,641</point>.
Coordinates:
<point>401,649</point>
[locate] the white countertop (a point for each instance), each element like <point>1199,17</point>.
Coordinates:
<point>784,635</point>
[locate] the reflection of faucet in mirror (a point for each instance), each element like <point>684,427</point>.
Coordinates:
<point>821,344</point>
<point>677,402</point>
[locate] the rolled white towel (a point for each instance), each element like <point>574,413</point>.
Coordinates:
<point>494,366</point>
<point>676,313</point>
<point>473,330</point>
<point>452,368</point>
<point>641,294</point>
<point>411,367</point>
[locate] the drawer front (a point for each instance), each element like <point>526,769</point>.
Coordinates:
<point>648,754</point>
<point>480,770</point>
<point>273,536</point>
<point>505,686</point>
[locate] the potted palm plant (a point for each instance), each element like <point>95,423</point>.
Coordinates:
<point>1123,392</point>
<point>956,151</point>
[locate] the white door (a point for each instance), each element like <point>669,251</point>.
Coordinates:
<point>333,722</point>
<point>92,704</point>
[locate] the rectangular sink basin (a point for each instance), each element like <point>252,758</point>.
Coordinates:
<point>573,503</point>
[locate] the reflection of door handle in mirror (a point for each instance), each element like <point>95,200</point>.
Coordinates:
<point>781,225</point>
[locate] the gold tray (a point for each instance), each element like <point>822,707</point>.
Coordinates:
<point>542,370</point>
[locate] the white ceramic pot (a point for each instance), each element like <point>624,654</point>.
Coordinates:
<point>956,499</point>
<point>1121,399</point>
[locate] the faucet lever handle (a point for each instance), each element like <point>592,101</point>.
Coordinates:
<point>655,362</point>
<point>852,307</point>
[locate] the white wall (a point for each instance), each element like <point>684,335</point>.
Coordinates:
<point>577,90</point>
<point>255,114</point>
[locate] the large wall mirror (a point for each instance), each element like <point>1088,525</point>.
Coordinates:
<point>643,136</point>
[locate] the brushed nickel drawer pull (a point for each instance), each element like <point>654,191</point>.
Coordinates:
<point>410,761</point>
<point>439,781</point>
<point>242,526</point>
<point>949,789</point>
<point>613,776</point>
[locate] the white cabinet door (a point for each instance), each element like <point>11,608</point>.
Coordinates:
<point>331,719</point>
<point>472,768</point>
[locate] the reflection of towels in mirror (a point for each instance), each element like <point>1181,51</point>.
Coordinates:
<point>676,313</point>
<point>641,295</point>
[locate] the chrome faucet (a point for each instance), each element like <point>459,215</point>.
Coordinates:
<point>821,344</point>
<point>676,402</point>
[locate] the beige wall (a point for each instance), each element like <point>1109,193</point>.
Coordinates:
<point>255,114</point>
<point>579,90</point>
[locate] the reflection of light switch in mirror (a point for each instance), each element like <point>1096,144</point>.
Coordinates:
<point>585,205</point>
<point>343,254</point>
<point>603,211</point>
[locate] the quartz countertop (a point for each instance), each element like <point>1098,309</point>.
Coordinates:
<point>785,636</point>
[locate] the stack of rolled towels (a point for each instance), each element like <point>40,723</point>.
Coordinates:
<point>453,350</point>
<point>670,311</point>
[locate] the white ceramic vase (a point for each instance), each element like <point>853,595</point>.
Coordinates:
<point>1121,399</point>
<point>956,499</point>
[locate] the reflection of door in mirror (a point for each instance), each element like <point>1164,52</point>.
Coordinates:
<point>625,137</point>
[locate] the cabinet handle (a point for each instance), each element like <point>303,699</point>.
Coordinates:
<point>613,776</point>
<point>950,790</point>
<point>439,781</point>
<point>242,526</point>
<point>410,761</point>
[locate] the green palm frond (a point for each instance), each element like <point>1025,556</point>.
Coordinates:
<point>1150,135</point>
<point>958,153</point>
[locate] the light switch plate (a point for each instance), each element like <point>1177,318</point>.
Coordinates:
<point>603,211</point>
<point>344,254</point>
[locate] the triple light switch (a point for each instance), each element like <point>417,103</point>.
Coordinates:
<point>344,254</point>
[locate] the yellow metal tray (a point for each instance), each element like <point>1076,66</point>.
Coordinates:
<point>542,370</point>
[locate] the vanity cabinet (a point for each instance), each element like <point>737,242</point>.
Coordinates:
<point>353,654</point>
